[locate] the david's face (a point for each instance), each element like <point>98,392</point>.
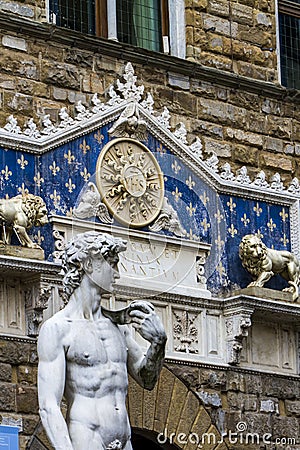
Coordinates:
<point>104,272</point>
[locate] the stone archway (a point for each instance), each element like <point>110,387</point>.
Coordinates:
<point>170,410</point>
<point>166,411</point>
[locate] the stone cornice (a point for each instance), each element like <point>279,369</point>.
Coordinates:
<point>22,265</point>
<point>48,32</point>
<point>169,361</point>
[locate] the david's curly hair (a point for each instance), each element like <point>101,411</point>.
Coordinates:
<point>79,249</point>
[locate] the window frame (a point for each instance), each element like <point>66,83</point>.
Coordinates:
<point>173,23</point>
<point>288,8</point>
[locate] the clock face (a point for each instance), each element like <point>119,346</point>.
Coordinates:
<point>130,182</point>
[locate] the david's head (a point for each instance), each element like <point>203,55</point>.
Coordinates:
<point>94,254</point>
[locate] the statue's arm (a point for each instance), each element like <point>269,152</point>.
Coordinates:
<point>51,382</point>
<point>145,369</point>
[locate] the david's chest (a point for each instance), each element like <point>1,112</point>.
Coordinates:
<point>92,343</point>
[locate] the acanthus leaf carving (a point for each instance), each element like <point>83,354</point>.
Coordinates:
<point>65,119</point>
<point>276,182</point>
<point>180,133</point>
<point>98,106</point>
<point>31,130</point>
<point>226,173</point>
<point>260,180</point>
<point>82,112</point>
<point>148,103</point>
<point>48,127</point>
<point>294,186</point>
<point>213,162</point>
<point>242,176</point>
<point>12,125</point>
<point>130,90</point>
<point>196,148</point>
<point>164,118</point>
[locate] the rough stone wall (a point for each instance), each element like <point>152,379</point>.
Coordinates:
<point>265,403</point>
<point>29,9</point>
<point>18,386</point>
<point>233,35</point>
<point>245,128</point>
<point>230,35</point>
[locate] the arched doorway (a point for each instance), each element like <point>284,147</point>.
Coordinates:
<point>145,440</point>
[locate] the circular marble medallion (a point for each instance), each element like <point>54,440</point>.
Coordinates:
<point>130,182</point>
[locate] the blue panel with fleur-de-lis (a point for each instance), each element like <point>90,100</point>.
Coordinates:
<point>60,174</point>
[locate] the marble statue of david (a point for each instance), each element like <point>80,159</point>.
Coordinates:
<point>86,351</point>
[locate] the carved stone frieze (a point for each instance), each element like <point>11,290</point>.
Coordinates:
<point>185,331</point>
<point>236,330</point>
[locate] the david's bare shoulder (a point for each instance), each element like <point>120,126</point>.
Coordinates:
<point>54,333</point>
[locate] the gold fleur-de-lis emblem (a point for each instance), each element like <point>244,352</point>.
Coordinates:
<point>192,236</point>
<point>38,179</point>
<point>55,198</point>
<point>69,213</point>
<point>257,209</point>
<point>219,243</point>
<point>54,168</point>
<point>177,194</point>
<point>259,234</point>
<point>205,224</point>
<point>232,231</point>
<point>38,237</point>
<point>6,172</point>
<point>161,149</point>
<point>245,220</point>
<point>22,162</point>
<point>271,225</point>
<point>284,240</point>
<point>99,137</point>
<point>283,215</point>
<point>85,174</point>
<point>176,167</point>
<point>190,209</point>
<point>204,198</point>
<point>190,182</point>
<point>71,186</point>
<point>84,147</point>
<point>221,269</point>
<point>23,190</point>
<point>231,204</point>
<point>69,157</point>
<point>219,216</point>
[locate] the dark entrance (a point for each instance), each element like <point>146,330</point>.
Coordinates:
<point>145,440</point>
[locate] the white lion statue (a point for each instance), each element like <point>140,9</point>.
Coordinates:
<point>263,262</point>
<point>19,214</point>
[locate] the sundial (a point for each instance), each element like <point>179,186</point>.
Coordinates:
<point>130,182</point>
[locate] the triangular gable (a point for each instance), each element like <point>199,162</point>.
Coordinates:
<point>215,206</point>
